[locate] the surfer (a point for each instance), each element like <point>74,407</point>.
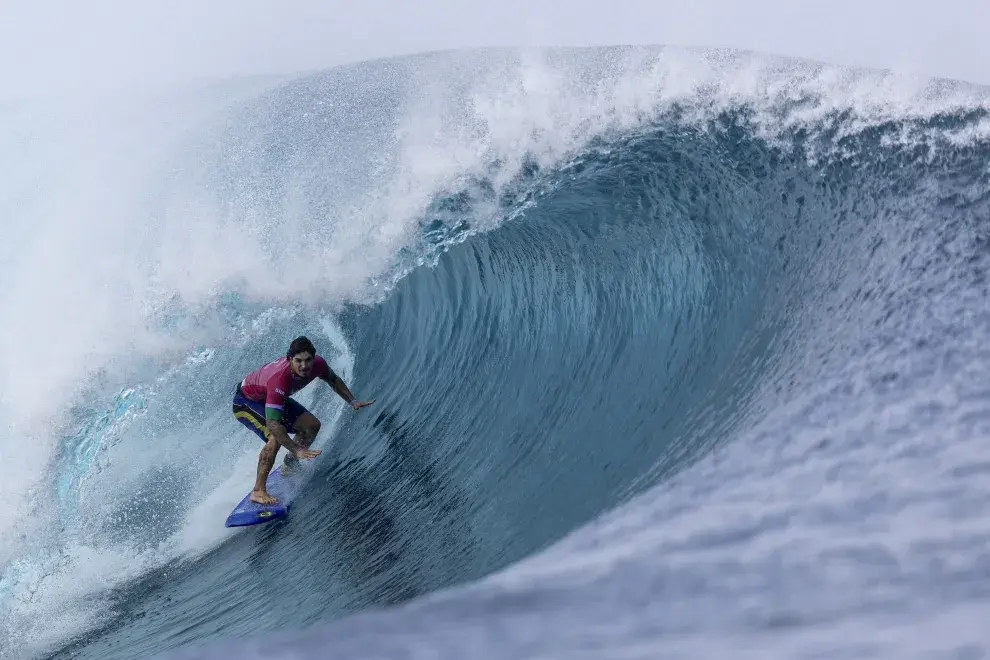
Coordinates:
<point>262,402</point>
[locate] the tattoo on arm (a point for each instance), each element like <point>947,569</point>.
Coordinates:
<point>281,436</point>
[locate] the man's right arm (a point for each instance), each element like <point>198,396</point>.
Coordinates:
<point>274,405</point>
<point>281,436</point>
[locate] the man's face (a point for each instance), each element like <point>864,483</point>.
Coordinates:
<point>302,364</point>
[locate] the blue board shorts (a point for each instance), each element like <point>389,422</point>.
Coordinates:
<point>252,414</point>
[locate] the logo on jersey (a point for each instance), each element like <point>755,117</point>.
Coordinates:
<point>278,391</point>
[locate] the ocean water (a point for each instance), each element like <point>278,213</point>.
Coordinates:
<point>675,354</point>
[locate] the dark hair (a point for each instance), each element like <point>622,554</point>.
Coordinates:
<point>300,345</point>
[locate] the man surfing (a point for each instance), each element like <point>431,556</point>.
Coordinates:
<point>262,402</point>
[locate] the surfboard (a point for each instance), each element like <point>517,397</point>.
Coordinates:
<point>284,488</point>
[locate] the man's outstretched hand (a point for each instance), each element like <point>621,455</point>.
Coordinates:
<point>361,404</point>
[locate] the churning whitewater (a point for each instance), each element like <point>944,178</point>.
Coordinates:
<point>675,354</point>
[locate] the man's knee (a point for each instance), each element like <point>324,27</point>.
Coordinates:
<point>308,423</point>
<point>270,449</point>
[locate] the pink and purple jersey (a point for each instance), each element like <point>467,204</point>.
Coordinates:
<point>274,382</point>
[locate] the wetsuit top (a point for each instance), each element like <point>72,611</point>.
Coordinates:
<point>274,382</point>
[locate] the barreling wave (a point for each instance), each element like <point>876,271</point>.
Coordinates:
<point>586,296</point>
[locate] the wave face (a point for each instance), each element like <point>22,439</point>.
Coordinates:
<point>674,353</point>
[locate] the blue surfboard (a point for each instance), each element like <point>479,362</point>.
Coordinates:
<point>284,488</point>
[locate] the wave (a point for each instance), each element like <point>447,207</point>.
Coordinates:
<point>643,327</point>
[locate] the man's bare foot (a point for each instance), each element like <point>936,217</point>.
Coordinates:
<point>262,497</point>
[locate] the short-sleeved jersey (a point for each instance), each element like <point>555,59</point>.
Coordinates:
<point>274,382</point>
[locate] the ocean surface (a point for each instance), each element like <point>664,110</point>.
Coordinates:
<point>675,353</point>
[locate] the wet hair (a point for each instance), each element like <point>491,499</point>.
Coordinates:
<point>300,345</point>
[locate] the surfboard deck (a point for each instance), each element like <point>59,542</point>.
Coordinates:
<point>284,488</point>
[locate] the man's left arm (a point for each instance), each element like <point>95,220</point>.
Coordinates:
<point>340,387</point>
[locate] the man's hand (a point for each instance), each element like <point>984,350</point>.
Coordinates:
<point>361,404</point>
<point>306,454</point>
